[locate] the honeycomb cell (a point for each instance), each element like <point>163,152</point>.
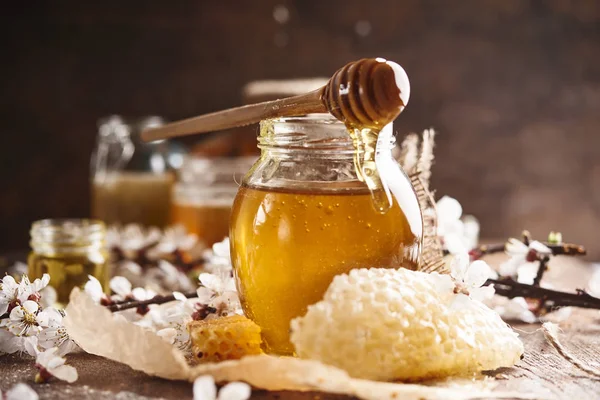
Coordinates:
<point>226,338</point>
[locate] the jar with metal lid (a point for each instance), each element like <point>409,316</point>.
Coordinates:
<point>204,193</point>
<point>132,180</point>
<point>69,250</point>
<point>304,214</point>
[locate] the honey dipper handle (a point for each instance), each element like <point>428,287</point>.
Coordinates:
<point>239,116</point>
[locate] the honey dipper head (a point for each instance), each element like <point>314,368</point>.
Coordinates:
<point>368,93</point>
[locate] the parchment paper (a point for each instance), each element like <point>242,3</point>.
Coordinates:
<point>96,330</point>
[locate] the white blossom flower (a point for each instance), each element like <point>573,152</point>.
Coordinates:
<point>9,293</point>
<point>25,320</point>
<point>93,288</point>
<point>219,257</point>
<point>132,238</point>
<point>514,309</point>
<point>174,238</point>
<point>49,364</point>
<point>218,290</point>
<point>523,259</point>
<point>20,391</point>
<point>171,277</point>
<point>55,335</point>
<point>13,293</point>
<point>121,287</point>
<point>205,389</point>
<point>470,277</point>
<point>457,235</point>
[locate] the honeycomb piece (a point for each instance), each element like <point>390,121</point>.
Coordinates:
<point>226,338</point>
<point>387,324</point>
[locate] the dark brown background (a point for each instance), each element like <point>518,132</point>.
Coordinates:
<point>513,87</point>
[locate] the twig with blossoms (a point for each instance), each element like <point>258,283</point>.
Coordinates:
<point>521,276</point>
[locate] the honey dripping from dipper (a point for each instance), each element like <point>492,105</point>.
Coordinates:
<point>366,96</point>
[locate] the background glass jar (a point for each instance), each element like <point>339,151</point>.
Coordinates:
<point>203,196</point>
<point>303,215</point>
<point>132,180</point>
<point>69,250</point>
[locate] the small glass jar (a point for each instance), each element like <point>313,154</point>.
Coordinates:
<point>203,196</point>
<point>69,250</point>
<point>132,180</point>
<point>304,215</point>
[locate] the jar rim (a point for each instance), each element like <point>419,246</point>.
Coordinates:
<point>317,133</point>
<point>68,232</point>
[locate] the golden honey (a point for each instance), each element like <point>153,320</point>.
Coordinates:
<point>133,197</point>
<point>68,271</point>
<point>209,221</point>
<point>287,246</point>
<point>69,251</point>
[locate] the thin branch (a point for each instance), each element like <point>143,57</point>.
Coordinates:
<point>549,299</point>
<point>125,305</point>
<point>565,249</point>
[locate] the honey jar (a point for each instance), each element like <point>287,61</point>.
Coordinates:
<point>305,213</point>
<point>131,181</point>
<point>69,250</point>
<point>204,193</point>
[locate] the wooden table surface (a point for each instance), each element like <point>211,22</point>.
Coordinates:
<point>542,372</point>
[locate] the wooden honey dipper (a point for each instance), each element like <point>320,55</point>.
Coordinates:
<point>368,93</point>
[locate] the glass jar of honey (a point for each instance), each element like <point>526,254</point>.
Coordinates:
<point>132,180</point>
<point>69,250</point>
<point>204,193</point>
<point>304,214</point>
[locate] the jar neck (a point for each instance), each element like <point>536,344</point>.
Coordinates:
<point>67,236</point>
<point>320,136</point>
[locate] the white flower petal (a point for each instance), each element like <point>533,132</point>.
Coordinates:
<point>515,247</point>
<point>459,266</point>
<point>30,345</point>
<point>482,293</point>
<point>3,307</point>
<point>21,392</point>
<point>44,357</point>
<point>120,285</point>
<point>65,373</point>
<point>455,244</point>
<point>477,273</point>
<point>31,306</point>
<point>461,301</point>
<point>142,294</point>
<point>179,296</point>
<point>511,266</point>
<point>449,208</point>
<point>39,284</point>
<point>42,319</point>
<point>204,388</point>
<point>211,281</point>
<point>49,297</point>
<point>17,314</point>
<point>527,272</point>
<point>235,391</point>
<point>94,289</point>
<point>55,362</point>
<point>540,247</point>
